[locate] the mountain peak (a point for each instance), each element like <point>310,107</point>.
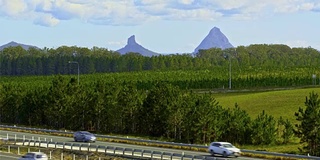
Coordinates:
<point>131,40</point>
<point>215,30</point>
<point>15,44</point>
<point>133,46</point>
<point>215,39</point>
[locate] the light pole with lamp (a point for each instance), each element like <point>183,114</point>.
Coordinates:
<point>78,68</point>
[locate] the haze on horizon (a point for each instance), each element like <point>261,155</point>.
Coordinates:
<point>168,26</point>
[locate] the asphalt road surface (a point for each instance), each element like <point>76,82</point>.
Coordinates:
<point>8,156</point>
<point>3,134</point>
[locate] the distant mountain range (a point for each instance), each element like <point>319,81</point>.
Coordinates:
<point>215,39</point>
<point>15,44</point>
<point>133,46</point>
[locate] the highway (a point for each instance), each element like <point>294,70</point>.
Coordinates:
<point>3,134</point>
<point>8,156</point>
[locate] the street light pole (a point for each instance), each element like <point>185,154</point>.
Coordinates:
<point>78,69</point>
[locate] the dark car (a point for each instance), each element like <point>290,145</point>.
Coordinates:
<point>34,156</point>
<point>84,136</point>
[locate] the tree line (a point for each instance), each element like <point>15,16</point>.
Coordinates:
<point>17,61</point>
<point>215,79</point>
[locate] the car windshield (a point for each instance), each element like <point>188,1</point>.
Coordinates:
<point>28,155</point>
<point>227,145</point>
<point>87,133</point>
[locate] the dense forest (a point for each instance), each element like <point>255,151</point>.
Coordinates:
<point>119,107</point>
<point>17,61</point>
<point>152,96</point>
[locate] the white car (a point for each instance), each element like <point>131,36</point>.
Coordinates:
<point>34,156</point>
<point>224,148</point>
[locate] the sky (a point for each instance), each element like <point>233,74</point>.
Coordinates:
<point>162,26</point>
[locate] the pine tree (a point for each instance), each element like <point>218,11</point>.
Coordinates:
<point>264,129</point>
<point>308,130</point>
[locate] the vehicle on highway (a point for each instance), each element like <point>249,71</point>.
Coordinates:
<point>34,156</point>
<point>84,136</point>
<point>223,148</point>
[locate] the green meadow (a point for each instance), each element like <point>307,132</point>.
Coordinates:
<point>282,102</point>
<point>276,102</point>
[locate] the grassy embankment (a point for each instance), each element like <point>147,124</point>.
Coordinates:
<point>276,103</point>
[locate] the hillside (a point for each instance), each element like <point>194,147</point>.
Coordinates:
<point>276,103</point>
<point>15,44</point>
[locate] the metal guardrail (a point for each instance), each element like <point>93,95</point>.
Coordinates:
<point>166,143</point>
<point>107,150</point>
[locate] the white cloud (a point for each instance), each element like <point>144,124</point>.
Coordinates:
<point>232,4</point>
<point>186,2</point>
<point>307,6</point>
<point>117,43</point>
<point>134,12</point>
<point>46,20</point>
<point>317,7</point>
<point>195,14</point>
<point>289,6</point>
<point>12,8</point>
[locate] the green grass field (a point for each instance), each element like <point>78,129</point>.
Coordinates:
<point>276,103</point>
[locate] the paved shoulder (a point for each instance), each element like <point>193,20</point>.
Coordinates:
<point>8,156</point>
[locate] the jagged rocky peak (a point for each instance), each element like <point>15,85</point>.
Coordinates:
<point>215,39</point>
<point>133,46</point>
<point>132,40</point>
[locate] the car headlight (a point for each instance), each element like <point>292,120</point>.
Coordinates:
<point>232,151</point>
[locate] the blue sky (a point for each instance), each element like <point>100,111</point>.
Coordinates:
<point>163,26</point>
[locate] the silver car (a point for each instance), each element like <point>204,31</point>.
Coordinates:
<point>34,156</point>
<point>84,136</point>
